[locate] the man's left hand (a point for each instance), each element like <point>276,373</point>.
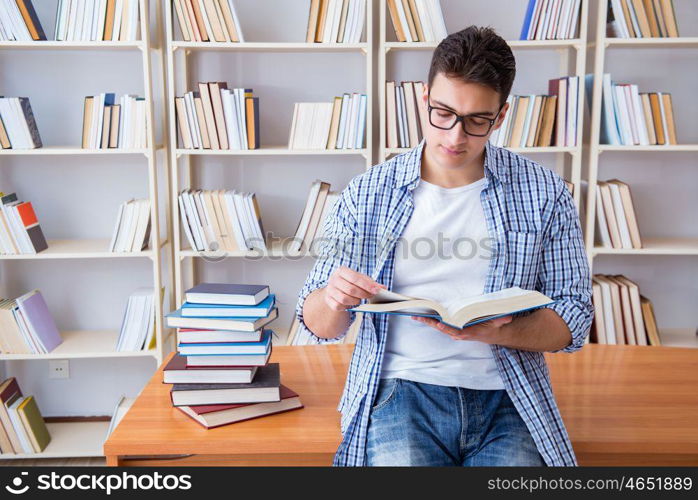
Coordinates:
<point>489,331</point>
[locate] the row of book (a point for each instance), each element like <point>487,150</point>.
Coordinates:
<point>221,372</point>
<point>132,230</point>
<point>311,224</point>
<point>641,19</point>
<point>621,314</point>
<point>224,220</point>
<point>615,215</point>
<point>106,124</point>
<point>18,129</point>
<point>27,326</point>
<point>216,117</point>
<point>630,117</point>
<point>417,20</point>
<point>340,124</point>
<point>335,21</point>
<point>405,115</point>
<point>20,232</point>
<point>137,331</point>
<point>98,20</point>
<point>551,20</point>
<point>18,21</point>
<point>22,428</point>
<point>208,20</point>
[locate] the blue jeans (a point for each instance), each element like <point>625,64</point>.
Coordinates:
<point>412,423</point>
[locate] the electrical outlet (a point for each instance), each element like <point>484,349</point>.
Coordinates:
<point>59,368</point>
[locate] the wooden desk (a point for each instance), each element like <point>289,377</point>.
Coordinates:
<point>622,405</point>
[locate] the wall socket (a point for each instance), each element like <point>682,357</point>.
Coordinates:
<point>59,368</point>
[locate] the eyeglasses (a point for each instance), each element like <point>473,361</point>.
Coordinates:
<point>445,119</point>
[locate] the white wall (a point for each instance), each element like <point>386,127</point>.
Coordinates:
<point>77,197</point>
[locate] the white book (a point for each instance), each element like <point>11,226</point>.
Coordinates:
<point>352,121</point>
<point>334,33</point>
<point>6,30</point>
<point>359,21</point>
<point>302,228</point>
<point>555,12</point>
<point>343,116</point>
<point>403,21</point>
<point>207,22</point>
<point>361,126</point>
<point>425,19</point>
<point>80,19</point>
<point>328,108</point>
<point>22,30</point>
<point>241,211</point>
<point>609,113</point>
<point>602,226</point>
<point>19,426</point>
<point>402,128</point>
<point>633,18</point>
<point>310,125</point>
<point>544,12</point>
<point>236,20</point>
<point>231,122</point>
<point>185,222</point>
<point>574,20</point>
<point>62,19</point>
<point>242,121</point>
<point>437,19</point>
<point>21,122</point>
<point>101,20</point>
<point>640,116</point>
<point>609,321</point>
<point>294,121</point>
<point>254,223</point>
<point>632,113</point>
<point>133,225</point>
<point>572,107</point>
<point>303,118</point>
<point>621,218</point>
<point>133,18</point>
<point>238,233</point>
<point>194,221</point>
<point>118,9</point>
<point>620,18</point>
<point>205,217</point>
<point>193,121</point>
<point>140,241</point>
<point>527,122</point>
<point>7,113</point>
<point>126,222</point>
<point>664,122</point>
<point>622,116</point>
<point>116,227</point>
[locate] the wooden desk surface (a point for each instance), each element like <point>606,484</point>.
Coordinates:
<point>622,405</point>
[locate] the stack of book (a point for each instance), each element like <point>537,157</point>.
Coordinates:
<point>221,220</point>
<point>340,124</point>
<point>621,314</point>
<point>109,125</point>
<point>18,128</point>
<point>216,117</point>
<point>405,115</point>
<point>208,20</point>
<point>132,230</point>
<point>108,20</point>
<point>417,20</point>
<point>541,120</point>
<point>18,21</point>
<point>138,325</point>
<point>221,373</point>
<point>551,20</point>
<point>20,232</point>
<point>22,428</point>
<point>641,19</point>
<point>27,326</point>
<point>630,117</point>
<point>311,225</point>
<point>615,215</point>
<point>335,21</point>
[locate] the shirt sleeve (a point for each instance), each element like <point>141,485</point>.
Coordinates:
<point>565,275</point>
<point>337,247</point>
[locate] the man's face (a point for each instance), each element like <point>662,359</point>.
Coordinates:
<point>453,148</point>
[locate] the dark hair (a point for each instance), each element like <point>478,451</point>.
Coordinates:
<point>476,54</point>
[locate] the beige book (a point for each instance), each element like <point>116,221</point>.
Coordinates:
<point>642,18</point>
<point>188,7</point>
<point>519,119</point>
<point>411,109</point>
<point>421,107</point>
<point>322,18</point>
<point>599,330</point>
<point>466,311</point>
<point>334,124</point>
<point>106,126</point>
<point>4,139</point>
<point>230,241</point>
<point>114,126</point>
<point>212,216</point>
<point>318,208</point>
<point>661,24</point>
<point>628,18</point>
<point>560,118</point>
<point>109,20</point>
<point>616,308</point>
<point>199,16</point>
<point>209,115</point>
<point>225,233</point>
<point>636,305</point>
<point>651,18</point>
<point>395,18</point>
<point>184,131</point>
<point>218,114</point>
<point>535,121</point>
<point>650,321</point>
<point>34,424</point>
<point>647,110</point>
<point>657,118</point>
<point>546,134</point>
<point>669,114</point>
<point>611,220</point>
<point>670,20</point>
<point>87,120</point>
<point>183,21</point>
<point>410,21</point>
<point>123,29</point>
<point>343,21</point>
<point>626,311</point>
<point>391,115</point>
<point>417,21</point>
<point>214,21</point>
<point>629,211</point>
<point>313,15</point>
<point>229,20</point>
<point>201,120</point>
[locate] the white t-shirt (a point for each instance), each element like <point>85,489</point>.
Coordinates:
<point>443,254</point>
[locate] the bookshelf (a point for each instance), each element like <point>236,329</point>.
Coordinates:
<point>188,167</point>
<point>572,56</point>
<point>661,250</point>
<point>84,436</point>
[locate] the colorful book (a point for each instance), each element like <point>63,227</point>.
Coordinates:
<point>39,320</point>
<point>176,320</point>
<point>225,311</point>
<point>228,348</point>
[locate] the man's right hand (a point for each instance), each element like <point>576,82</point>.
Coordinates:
<point>346,288</point>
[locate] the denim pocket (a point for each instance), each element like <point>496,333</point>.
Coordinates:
<point>387,388</point>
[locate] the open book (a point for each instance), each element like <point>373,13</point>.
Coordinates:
<point>464,312</point>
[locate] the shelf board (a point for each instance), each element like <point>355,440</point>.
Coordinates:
<point>678,337</point>
<point>514,44</point>
<point>84,344</point>
<point>655,246</point>
<point>276,249</point>
<point>552,149</point>
<point>71,45</point>
<point>72,150</point>
<point>70,439</point>
<point>78,249</point>
<point>271,151</point>
<point>670,43</point>
<point>665,148</point>
<point>271,46</point>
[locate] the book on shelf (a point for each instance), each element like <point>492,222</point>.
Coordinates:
<point>641,19</point>
<point>459,312</point>
<point>617,225</point>
<point>132,229</point>
<point>311,224</point>
<point>18,129</point>
<point>620,315</point>
<point>227,348</point>
<point>216,117</point>
<point>107,125</point>
<point>211,416</point>
<point>551,20</point>
<point>19,22</point>
<point>98,20</point>
<point>193,310</point>
<point>27,326</point>
<point>417,20</point>
<point>335,21</point>
<point>20,231</point>
<point>405,114</point>
<point>208,20</point>
<point>231,294</point>
<point>225,220</point>
<point>630,117</point>
<point>137,331</point>
<point>340,124</point>
<point>177,371</point>
<point>22,428</point>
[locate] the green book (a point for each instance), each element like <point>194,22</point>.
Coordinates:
<point>34,424</point>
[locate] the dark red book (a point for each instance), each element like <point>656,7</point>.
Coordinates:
<point>211,416</point>
<point>178,372</point>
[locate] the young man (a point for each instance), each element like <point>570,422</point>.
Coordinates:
<point>471,219</point>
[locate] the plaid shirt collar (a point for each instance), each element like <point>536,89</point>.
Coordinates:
<point>409,169</point>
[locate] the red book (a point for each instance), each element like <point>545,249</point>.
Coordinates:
<point>211,416</point>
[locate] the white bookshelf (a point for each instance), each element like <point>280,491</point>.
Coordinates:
<point>651,246</point>
<point>572,56</point>
<point>85,438</point>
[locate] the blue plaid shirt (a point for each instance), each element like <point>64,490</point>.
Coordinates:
<point>537,245</point>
